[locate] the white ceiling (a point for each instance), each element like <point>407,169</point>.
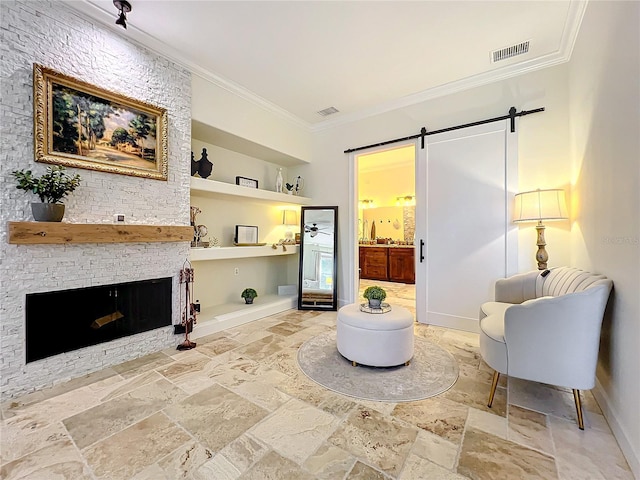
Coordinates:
<point>361,57</point>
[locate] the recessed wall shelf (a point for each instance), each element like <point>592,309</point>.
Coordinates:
<point>202,186</point>
<point>34,233</point>
<point>223,253</point>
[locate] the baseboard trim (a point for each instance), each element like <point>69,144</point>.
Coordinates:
<point>633,458</point>
<point>452,321</point>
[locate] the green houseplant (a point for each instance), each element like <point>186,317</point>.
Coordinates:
<point>375,295</point>
<point>51,188</point>
<point>249,294</point>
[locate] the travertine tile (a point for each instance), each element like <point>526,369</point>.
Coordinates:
<point>130,451</point>
<point>285,328</point>
<point>487,422</point>
<point>184,460</point>
<point>295,430</point>
<point>329,462</point>
<point>274,466</point>
<point>436,415</point>
<point>417,468</point>
<point>59,460</point>
<point>529,428</point>
<point>216,416</point>
<point>553,401</point>
<point>360,471</point>
<point>209,435</point>
<point>262,391</point>
<point>262,348</point>
<point>244,451</point>
<point>485,456</point>
<point>435,449</point>
<point>142,364</point>
<point>23,434</point>
<point>381,441</point>
<point>588,453</point>
<point>114,415</point>
<point>218,346</point>
<point>473,393</point>
<point>218,468</point>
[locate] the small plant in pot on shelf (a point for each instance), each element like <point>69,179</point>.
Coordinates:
<point>51,188</point>
<point>249,294</point>
<point>375,295</point>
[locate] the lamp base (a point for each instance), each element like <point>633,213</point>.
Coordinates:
<point>541,255</point>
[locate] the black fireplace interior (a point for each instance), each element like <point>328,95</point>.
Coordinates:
<point>66,320</point>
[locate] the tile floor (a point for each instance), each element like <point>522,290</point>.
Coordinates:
<point>238,407</point>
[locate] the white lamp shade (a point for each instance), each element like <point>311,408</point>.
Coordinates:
<point>540,205</point>
<point>289,217</point>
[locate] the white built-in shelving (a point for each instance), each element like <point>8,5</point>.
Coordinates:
<point>205,187</point>
<point>224,253</point>
<point>220,317</point>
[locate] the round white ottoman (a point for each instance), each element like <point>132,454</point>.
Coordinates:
<point>375,339</point>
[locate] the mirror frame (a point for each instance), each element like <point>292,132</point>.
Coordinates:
<point>334,303</point>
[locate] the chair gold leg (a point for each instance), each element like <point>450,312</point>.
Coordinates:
<point>494,384</point>
<point>355,364</point>
<point>576,398</point>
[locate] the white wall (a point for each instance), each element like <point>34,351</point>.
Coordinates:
<point>543,150</point>
<point>51,34</point>
<point>222,109</point>
<point>605,130</point>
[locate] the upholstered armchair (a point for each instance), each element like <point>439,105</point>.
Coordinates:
<point>545,327</point>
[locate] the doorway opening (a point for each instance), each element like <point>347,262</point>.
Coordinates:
<point>386,205</point>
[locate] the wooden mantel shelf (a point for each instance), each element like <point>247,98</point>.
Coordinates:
<point>33,233</point>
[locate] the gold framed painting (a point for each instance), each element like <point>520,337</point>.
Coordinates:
<point>77,124</point>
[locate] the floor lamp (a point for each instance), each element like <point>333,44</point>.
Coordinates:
<point>536,206</point>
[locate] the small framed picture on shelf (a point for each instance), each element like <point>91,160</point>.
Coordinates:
<point>246,235</point>
<point>246,182</point>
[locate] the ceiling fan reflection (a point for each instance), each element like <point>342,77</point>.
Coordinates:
<point>314,230</point>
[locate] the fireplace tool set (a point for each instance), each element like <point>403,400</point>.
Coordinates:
<point>189,311</point>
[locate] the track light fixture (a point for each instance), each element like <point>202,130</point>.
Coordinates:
<point>123,7</point>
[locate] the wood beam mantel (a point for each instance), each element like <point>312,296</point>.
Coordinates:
<point>34,233</point>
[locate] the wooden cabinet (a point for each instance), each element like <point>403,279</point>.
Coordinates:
<point>393,264</point>
<point>374,263</point>
<point>401,265</point>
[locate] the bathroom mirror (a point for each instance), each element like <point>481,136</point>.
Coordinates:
<point>317,285</point>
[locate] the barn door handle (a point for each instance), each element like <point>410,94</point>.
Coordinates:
<point>421,251</point>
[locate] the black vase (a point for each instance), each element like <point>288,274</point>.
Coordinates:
<point>205,167</point>
<point>194,165</point>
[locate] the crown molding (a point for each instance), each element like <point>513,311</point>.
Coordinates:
<point>575,15</point>
<point>562,55</point>
<point>157,46</point>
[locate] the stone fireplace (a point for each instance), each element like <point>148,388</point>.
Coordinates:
<point>53,35</point>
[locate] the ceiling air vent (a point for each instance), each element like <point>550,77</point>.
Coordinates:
<point>328,111</point>
<point>508,52</point>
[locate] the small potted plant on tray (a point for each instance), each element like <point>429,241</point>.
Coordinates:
<point>375,295</point>
<point>249,294</point>
<point>51,187</point>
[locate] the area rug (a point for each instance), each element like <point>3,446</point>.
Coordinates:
<point>432,370</point>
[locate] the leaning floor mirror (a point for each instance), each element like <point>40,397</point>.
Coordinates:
<point>317,285</point>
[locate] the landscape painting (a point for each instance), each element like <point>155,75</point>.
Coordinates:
<point>84,126</point>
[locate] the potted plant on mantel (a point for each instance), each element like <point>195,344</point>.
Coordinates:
<point>375,295</point>
<point>249,294</point>
<point>51,187</point>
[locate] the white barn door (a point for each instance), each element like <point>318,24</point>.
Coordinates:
<point>465,181</point>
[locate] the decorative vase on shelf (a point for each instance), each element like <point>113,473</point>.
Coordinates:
<point>279,181</point>
<point>373,229</point>
<point>205,167</point>
<point>194,165</point>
